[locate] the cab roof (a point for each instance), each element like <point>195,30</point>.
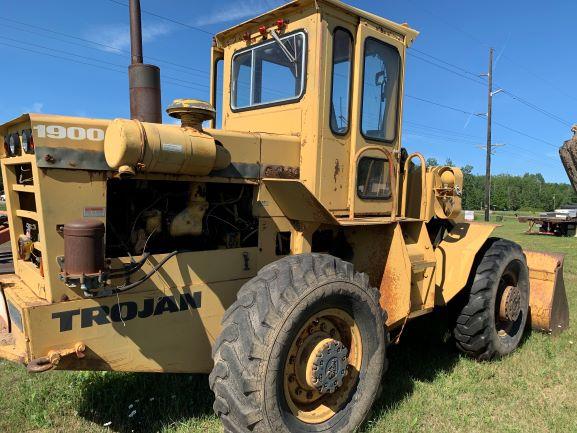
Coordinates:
<point>409,33</point>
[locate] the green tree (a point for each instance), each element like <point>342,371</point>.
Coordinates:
<point>515,193</point>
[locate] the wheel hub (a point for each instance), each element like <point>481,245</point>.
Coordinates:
<point>327,366</point>
<point>322,366</point>
<point>510,307</point>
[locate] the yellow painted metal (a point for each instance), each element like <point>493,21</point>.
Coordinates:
<point>410,201</point>
<point>395,286</point>
<point>548,300</point>
<point>444,199</point>
<point>353,197</point>
<point>162,149</point>
<point>166,341</point>
<point>455,257</point>
<point>297,202</point>
<point>304,181</point>
<point>303,399</point>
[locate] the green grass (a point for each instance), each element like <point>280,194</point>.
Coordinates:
<point>429,387</point>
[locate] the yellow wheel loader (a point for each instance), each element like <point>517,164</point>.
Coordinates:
<point>280,254</point>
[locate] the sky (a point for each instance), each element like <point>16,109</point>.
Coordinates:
<point>70,57</point>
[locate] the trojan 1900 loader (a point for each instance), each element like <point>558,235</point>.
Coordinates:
<point>278,253</point>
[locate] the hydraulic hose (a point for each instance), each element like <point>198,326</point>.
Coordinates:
<point>155,269</point>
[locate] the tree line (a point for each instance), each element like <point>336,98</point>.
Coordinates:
<point>529,192</point>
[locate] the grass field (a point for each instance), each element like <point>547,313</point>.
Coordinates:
<point>429,387</point>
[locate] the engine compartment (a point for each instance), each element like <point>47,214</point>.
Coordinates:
<point>159,217</point>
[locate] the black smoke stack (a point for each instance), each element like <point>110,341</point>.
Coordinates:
<point>145,94</point>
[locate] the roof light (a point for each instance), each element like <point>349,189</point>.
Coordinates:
<point>27,141</point>
<point>281,24</point>
<point>13,144</point>
<point>262,31</point>
<point>6,146</point>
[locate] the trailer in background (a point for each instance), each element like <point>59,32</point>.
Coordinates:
<point>561,222</point>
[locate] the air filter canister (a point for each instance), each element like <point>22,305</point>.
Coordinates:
<point>83,247</point>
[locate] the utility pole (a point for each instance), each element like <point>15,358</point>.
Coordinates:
<point>489,140</point>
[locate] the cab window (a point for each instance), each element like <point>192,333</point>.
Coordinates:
<point>373,179</point>
<point>382,69</point>
<point>270,73</point>
<point>342,72</point>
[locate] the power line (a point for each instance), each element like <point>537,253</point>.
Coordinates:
<point>114,50</point>
<point>538,109</point>
<point>109,48</point>
<point>546,81</point>
<point>438,136</point>
<point>451,131</point>
<point>525,134</point>
<point>459,110</point>
<point>476,81</point>
<point>92,59</point>
<point>162,17</point>
<point>485,45</point>
<point>444,62</point>
<point>470,138</point>
<point>466,77</point>
<point>188,84</point>
<point>525,153</point>
<point>61,51</point>
<point>438,104</point>
<point>107,68</point>
<point>442,130</point>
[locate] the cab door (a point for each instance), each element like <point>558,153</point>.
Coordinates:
<point>376,123</point>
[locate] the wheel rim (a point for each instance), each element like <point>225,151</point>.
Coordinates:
<point>322,366</point>
<point>509,311</point>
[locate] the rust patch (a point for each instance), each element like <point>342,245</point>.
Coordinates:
<point>281,172</point>
<point>337,170</point>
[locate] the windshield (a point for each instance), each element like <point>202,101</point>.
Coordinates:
<point>269,73</point>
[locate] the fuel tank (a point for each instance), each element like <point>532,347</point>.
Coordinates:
<point>131,145</point>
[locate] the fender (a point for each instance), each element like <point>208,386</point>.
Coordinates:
<point>455,257</point>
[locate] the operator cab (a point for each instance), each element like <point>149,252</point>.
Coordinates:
<point>331,75</point>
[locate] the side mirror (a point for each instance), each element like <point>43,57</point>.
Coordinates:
<point>381,80</point>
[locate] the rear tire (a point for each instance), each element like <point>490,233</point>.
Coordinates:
<point>286,303</point>
<point>482,329</point>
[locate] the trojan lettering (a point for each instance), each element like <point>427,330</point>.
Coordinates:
<point>126,311</point>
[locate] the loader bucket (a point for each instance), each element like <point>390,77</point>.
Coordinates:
<point>549,311</point>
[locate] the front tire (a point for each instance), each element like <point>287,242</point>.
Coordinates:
<point>279,360</point>
<point>492,319</point>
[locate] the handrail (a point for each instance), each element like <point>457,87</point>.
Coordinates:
<point>353,178</point>
<point>423,185</point>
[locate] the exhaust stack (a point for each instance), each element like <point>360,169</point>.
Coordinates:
<point>145,94</point>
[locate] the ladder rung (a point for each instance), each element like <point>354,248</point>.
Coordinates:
<point>23,188</point>
<point>27,214</point>
<point>421,265</point>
